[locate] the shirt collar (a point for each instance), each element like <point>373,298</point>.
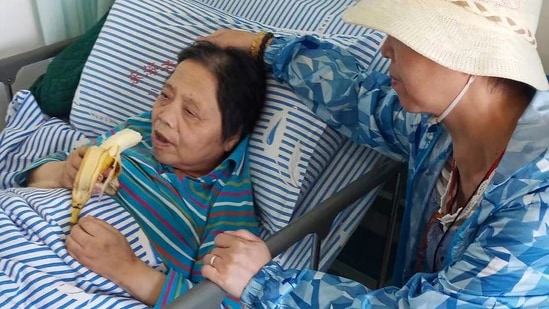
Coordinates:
<point>237,157</point>
<point>232,165</point>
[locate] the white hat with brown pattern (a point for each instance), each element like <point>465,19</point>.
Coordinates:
<point>478,37</point>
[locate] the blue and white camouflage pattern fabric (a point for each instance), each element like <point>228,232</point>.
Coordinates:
<point>498,258</point>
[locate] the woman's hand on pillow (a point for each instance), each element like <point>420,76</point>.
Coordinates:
<point>231,38</point>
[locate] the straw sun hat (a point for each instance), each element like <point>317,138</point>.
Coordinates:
<point>478,37</point>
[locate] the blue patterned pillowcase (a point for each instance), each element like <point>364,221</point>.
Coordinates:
<point>136,50</point>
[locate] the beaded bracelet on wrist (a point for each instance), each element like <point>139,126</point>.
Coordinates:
<point>263,44</point>
<point>260,43</point>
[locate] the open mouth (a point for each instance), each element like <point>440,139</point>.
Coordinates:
<point>160,139</point>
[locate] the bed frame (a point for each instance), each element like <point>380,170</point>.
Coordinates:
<point>9,67</point>
<point>317,221</point>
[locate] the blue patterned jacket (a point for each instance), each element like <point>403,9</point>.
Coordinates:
<point>498,258</point>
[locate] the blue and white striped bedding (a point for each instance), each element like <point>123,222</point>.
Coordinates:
<point>35,269</point>
<point>290,149</point>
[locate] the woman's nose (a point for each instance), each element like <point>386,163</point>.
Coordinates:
<point>387,48</point>
<point>167,116</point>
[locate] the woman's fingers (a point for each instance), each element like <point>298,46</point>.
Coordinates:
<point>76,156</point>
<point>226,275</point>
<point>92,226</point>
<point>238,257</point>
<point>79,235</point>
<point>244,234</point>
<point>227,239</point>
<point>71,166</point>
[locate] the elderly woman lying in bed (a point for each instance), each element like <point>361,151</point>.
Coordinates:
<point>184,183</point>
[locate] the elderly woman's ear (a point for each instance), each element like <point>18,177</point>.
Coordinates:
<point>231,142</point>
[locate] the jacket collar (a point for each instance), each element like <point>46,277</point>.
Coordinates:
<point>525,163</point>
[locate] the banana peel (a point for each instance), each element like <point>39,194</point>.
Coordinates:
<point>98,161</point>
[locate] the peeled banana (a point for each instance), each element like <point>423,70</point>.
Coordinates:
<point>97,160</point>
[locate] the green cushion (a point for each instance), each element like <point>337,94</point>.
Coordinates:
<point>54,90</point>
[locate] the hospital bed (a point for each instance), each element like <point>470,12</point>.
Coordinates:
<point>298,164</point>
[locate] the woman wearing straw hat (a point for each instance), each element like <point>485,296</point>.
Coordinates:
<point>465,106</point>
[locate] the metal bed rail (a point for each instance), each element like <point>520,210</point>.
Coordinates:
<point>206,294</point>
<point>10,66</point>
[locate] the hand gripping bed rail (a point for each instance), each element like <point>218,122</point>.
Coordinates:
<point>206,294</point>
<point>10,66</point>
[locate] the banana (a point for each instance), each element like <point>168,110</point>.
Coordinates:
<point>96,161</point>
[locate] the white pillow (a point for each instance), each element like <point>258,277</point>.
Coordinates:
<point>137,48</point>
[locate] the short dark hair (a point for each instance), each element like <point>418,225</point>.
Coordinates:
<point>241,84</point>
<point>512,87</point>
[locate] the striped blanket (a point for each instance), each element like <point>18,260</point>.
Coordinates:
<point>35,269</point>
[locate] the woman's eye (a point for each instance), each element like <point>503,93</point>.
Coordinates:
<point>162,95</point>
<point>189,112</point>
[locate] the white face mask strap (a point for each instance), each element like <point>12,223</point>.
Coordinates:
<point>456,100</point>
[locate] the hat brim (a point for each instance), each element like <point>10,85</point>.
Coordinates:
<point>453,37</point>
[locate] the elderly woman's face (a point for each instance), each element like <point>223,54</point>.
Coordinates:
<point>186,119</point>
<point>422,85</point>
